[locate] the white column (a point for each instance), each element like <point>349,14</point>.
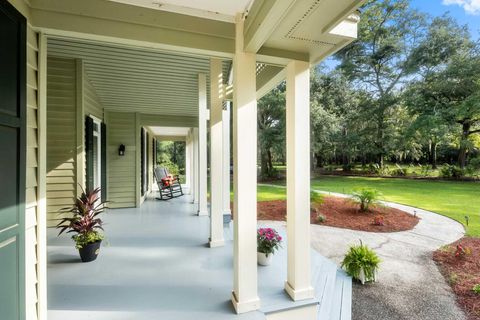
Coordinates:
<point>226,159</point>
<point>298,284</point>
<point>202,145</point>
<point>216,153</point>
<point>188,158</point>
<point>195,165</point>
<point>245,293</point>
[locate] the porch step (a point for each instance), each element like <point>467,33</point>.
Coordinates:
<point>333,288</point>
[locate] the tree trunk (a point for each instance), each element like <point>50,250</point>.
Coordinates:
<point>263,163</point>
<point>318,160</point>
<point>433,154</point>
<point>270,163</point>
<point>462,154</point>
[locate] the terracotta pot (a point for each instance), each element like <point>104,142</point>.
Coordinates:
<point>90,251</point>
<point>263,259</point>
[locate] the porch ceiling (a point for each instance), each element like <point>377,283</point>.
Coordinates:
<point>137,79</point>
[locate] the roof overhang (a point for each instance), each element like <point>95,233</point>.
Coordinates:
<point>278,31</point>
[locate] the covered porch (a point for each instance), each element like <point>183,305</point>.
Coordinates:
<point>100,78</point>
<point>156,264</point>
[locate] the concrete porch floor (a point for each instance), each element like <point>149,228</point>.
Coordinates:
<point>155,264</point>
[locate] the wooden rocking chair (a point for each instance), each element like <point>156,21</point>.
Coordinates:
<point>169,185</point>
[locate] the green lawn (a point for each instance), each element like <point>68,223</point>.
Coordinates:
<point>450,198</point>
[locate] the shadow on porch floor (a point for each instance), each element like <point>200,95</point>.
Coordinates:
<point>155,264</point>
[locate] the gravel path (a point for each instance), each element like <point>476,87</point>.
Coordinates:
<point>410,285</point>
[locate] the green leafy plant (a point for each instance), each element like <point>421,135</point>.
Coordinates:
<point>321,218</point>
<point>366,197</point>
<point>399,171</point>
<point>83,220</point>
<point>361,257</point>
<point>316,197</point>
<point>452,171</point>
<point>476,288</point>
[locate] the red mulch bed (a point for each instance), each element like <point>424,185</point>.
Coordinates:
<point>462,273</point>
<point>342,213</point>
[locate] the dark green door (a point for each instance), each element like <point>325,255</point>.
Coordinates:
<point>12,162</point>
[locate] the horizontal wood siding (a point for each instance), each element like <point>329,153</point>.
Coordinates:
<point>32,174</point>
<point>121,169</point>
<point>92,104</point>
<point>61,135</point>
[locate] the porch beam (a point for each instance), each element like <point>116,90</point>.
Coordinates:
<point>268,79</point>
<point>202,145</point>
<point>216,153</point>
<point>298,284</point>
<point>245,291</point>
<point>133,25</point>
<point>263,18</point>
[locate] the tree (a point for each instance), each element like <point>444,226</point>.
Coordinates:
<point>381,61</point>
<point>271,128</point>
<point>447,91</point>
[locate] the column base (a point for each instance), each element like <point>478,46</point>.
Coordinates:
<point>302,294</point>
<point>202,212</point>
<point>245,306</point>
<point>216,243</point>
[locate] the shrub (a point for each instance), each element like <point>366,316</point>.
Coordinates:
<point>268,240</point>
<point>361,257</point>
<point>425,170</point>
<point>348,167</point>
<point>452,171</point>
<point>366,197</point>
<point>316,197</point>
<point>321,218</point>
<point>329,168</point>
<point>399,171</point>
<point>476,288</point>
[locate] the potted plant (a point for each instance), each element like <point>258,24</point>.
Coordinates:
<point>268,240</point>
<point>361,263</point>
<point>84,223</point>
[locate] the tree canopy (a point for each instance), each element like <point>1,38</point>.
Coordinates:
<point>408,90</point>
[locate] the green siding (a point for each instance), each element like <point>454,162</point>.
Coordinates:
<point>61,135</point>
<point>93,105</point>
<point>121,170</point>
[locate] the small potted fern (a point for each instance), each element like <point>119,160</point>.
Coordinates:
<point>84,223</point>
<point>361,263</point>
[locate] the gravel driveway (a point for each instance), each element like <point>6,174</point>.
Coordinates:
<point>410,285</point>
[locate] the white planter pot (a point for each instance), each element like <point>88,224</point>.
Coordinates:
<point>263,259</point>
<point>363,279</point>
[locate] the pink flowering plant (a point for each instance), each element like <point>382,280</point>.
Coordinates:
<point>268,240</point>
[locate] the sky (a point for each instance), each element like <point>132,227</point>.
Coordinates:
<point>465,11</point>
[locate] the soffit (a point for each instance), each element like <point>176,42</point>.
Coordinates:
<point>128,79</point>
<point>223,10</point>
<point>316,27</point>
